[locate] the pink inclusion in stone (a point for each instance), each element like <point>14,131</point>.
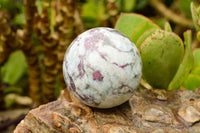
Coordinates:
<point>80,65</point>
<point>93,30</point>
<point>90,42</point>
<point>97,76</point>
<point>123,66</point>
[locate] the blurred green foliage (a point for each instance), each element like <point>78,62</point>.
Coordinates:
<point>128,5</point>
<point>160,22</point>
<point>141,4</point>
<point>93,12</point>
<point>184,6</point>
<point>193,80</point>
<point>14,68</point>
<point>15,10</point>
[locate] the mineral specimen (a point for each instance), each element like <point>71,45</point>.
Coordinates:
<point>102,67</point>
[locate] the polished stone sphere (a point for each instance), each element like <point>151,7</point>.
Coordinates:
<point>102,67</point>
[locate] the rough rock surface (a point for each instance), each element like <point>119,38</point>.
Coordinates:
<point>148,111</point>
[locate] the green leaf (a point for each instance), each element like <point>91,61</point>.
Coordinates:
<point>128,5</point>
<point>92,13</point>
<point>192,82</point>
<point>161,54</point>
<point>89,15</point>
<point>127,23</point>
<point>89,9</point>
<point>186,64</point>
<point>168,27</point>
<point>14,68</point>
<point>184,6</point>
<point>196,54</point>
<point>160,22</point>
<point>141,29</point>
<point>19,19</point>
<point>196,70</point>
<point>146,34</point>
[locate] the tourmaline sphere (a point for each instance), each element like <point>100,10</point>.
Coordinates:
<point>102,67</point>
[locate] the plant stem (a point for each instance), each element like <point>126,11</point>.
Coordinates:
<point>159,6</point>
<point>65,27</point>
<point>49,41</point>
<point>112,10</point>
<point>30,52</point>
<point>8,39</point>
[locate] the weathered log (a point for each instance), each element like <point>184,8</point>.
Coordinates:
<point>148,111</point>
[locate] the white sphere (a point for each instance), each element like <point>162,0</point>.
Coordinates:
<point>102,67</point>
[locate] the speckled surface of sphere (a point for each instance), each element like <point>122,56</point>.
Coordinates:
<point>102,67</point>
